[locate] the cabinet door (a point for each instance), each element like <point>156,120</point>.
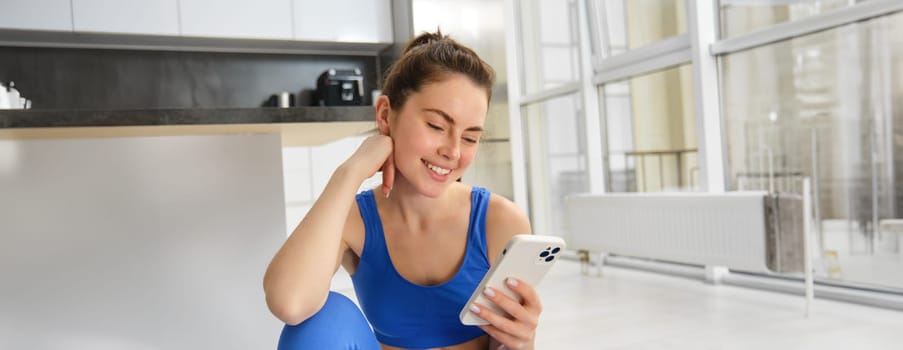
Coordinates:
<point>361,21</point>
<point>260,19</point>
<point>155,17</point>
<point>36,14</point>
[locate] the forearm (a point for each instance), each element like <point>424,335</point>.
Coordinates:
<point>297,280</point>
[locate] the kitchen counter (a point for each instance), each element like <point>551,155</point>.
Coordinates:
<point>298,126</point>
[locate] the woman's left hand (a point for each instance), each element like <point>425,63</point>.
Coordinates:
<point>518,331</point>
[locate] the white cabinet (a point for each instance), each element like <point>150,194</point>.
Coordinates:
<point>260,19</point>
<point>340,21</point>
<point>361,21</point>
<point>36,14</point>
<point>153,17</point>
<point>139,231</point>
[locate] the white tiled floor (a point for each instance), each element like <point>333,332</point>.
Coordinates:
<point>855,264</point>
<point>631,310</point>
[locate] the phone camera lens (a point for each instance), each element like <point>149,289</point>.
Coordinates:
<point>544,254</point>
<point>550,258</point>
<point>556,250</point>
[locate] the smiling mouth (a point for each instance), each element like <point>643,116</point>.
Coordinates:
<point>436,169</point>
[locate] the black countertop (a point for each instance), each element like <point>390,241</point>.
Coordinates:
<point>298,126</point>
<point>188,116</point>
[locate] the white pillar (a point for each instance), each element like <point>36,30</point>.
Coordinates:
<point>703,32</point>
<point>595,148</point>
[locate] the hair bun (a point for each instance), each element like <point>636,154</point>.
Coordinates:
<point>430,58</point>
<point>424,39</point>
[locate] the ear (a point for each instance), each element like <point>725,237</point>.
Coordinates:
<point>383,111</point>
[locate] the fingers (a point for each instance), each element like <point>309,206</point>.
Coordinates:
<point>527,293</point>
<point>518,329</point>
<point>511,333</point>
<point>389,174</point>
<point>515,327</point>
<point>521,314</point>
<point>509,341</point>
<point>388,168</point>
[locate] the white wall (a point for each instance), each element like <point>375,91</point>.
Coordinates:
<point>139,243</point>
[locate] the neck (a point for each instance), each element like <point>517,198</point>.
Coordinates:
<point>416,211</point>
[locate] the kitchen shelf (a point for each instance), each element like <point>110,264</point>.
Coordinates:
<point>299,126</point>
<point>91,40</point>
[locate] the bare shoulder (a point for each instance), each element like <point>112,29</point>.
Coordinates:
<point>505,216</point>
<point>504,219</point>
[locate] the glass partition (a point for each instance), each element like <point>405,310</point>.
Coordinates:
<point>827,107</point>
<point>651,132</point>
<point>556,159</point>
<point>629,24</point>
<point>744,16</point>
<point>550,44</point>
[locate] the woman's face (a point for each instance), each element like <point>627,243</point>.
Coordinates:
<point>436,133</point>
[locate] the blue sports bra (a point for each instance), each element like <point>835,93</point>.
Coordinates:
<point>407,315</point>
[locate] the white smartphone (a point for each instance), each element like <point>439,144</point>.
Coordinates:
<point>525,257</point>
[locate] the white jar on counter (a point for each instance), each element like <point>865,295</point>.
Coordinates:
<point>15,98</point>
<point>4,98</point>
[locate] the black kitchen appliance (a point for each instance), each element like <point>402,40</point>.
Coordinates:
<point>340,87</point>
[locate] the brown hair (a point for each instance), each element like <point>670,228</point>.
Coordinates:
<point>431,57</point>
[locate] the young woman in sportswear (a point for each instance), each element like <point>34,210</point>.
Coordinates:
<point>417,246</point>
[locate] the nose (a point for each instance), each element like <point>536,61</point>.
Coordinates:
<point>451,149</point>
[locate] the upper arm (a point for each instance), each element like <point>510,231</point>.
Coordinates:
<point>504,219</point>
<point>352,241</point>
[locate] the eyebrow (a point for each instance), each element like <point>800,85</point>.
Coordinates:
<point>451,121</point>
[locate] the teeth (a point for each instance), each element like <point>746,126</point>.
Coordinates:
<point>437,170</point>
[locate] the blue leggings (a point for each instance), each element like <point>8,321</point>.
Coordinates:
<point>338,325</point>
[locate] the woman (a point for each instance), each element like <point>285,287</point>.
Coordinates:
<point>418,249</point>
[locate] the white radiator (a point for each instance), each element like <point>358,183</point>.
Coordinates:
<point>736,230</point>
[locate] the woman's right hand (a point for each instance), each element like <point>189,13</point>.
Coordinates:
<point>375,154</point>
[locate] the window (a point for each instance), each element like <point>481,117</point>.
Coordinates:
<point>651,132</point>
<point>624,25</point>
<point>827,106</point>
<point>556,159</point>
<point>744,16</point>
<point>550,44</point>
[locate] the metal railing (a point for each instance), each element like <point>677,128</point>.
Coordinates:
<point>636,172</point>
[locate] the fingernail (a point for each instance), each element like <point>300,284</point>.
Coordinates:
<point>489,292</point>
<point>475,309</point>
<point>511,282</point>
